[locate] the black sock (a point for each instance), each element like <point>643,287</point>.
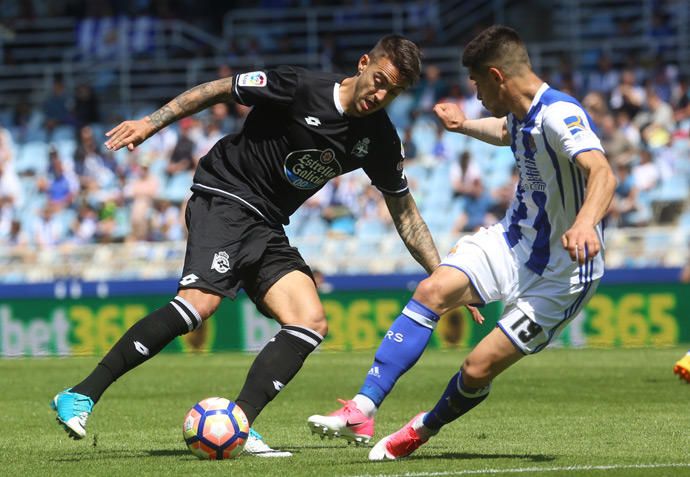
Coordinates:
<point>275,366</point>
<point>142,341</point>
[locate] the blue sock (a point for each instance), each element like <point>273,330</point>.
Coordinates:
<point>400,349</point>
<point>457,399</point>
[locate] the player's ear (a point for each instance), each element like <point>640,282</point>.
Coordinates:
<point>496,75</point>
<point>362,64</point>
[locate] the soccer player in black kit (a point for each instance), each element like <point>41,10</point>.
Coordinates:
<point>305,128</point>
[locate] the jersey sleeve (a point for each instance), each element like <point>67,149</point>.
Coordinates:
<point>275,87</point>
<point>569,130</point>
<point>385,166</point>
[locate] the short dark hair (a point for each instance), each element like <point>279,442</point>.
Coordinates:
<point>498,46</point>
<point>403,53</point>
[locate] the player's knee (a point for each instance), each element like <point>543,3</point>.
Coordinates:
<point>318,323</point>
<point>315,320</point>
<point>476,373</point>
<point>431,293</point>
<point>204,303</point>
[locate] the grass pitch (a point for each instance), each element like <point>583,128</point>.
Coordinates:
<point>562,412</point>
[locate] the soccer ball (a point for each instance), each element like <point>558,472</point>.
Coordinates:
<point>215,428</point>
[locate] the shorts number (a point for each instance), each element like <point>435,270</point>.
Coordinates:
<point>531,330</point>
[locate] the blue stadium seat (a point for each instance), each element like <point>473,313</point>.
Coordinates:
<point>177,187</point>
<point>32,156</point>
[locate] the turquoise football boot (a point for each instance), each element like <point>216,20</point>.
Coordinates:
<point>73,409</point>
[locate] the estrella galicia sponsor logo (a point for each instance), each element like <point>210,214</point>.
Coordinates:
<point>311,168</point>
<point>221,262</point>
<point>252,79</point>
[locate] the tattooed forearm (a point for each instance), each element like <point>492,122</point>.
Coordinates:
<point>413,231</point>
<point>192,101</point>
<point>162,117</point>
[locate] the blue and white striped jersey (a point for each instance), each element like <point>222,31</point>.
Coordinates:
<point>551,189</point>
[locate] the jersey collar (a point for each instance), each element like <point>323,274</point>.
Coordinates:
<point>336,99</point>
<point>536,102</point>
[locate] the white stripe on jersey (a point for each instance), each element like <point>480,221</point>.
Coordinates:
<point>552,186</point>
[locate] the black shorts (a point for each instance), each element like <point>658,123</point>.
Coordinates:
<point>230,247</point>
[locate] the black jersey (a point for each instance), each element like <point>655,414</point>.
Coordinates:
<point>294,140</point>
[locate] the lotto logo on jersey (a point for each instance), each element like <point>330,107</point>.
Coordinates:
<point>575,124</point>
<point>252,79</point>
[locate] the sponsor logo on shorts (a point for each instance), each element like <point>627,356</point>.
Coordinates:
<point>311,168</point>
<point>221,262</point>
<point>255,79</point>
<point>374,371</point>
<point>188,279</point>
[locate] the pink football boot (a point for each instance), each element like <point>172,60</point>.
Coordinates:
<point>348,422</point>
<point>399,444</point>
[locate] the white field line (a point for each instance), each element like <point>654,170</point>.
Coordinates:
<point>570,468</point>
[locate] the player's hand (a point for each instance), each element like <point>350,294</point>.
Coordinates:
<point>476,316</point>
<point>129,134</point>
<point>582,243</point>
<point>450,115</point>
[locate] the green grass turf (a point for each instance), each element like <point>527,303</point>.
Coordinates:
<point>559,409</point>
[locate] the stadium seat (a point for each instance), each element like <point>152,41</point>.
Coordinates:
<point>32,156</point>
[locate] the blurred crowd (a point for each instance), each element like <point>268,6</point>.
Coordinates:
<point>68,189</point>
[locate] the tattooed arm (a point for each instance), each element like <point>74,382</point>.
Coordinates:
<point>132,133</point>
<point>413,230</point>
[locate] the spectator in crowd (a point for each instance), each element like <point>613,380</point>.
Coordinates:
<point>502,198</point>
<point>47,229</point>
<point>625,125</point>
<point>439,151</point>
<point>6,146</point>
<point>596,105</point>
<point>61,186</point>
<point>656,120</point>
<point>16,237</point>
<point>85,225</point>
<point>56,108</point>
<point>566,78</point>
<point>624,205</point>
<point>86,107</point>
<point>89,164</point>
<point>165,224</point>
<point>409,145</point>
<point>465,176</point>
<point>141,192</point>
<point>627,96</point>
<point>467,183</point>
<point>430,89</point>
<point>680,101</point>
<point>617,146</point>
<point>11,194</point>
<point>220,114</point>
<point>604,78</point>
<point>212,133</point>
<point>182,157</point>
<point>340,208</point>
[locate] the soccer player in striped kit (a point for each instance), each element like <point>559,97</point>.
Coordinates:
<point>544,260</point>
